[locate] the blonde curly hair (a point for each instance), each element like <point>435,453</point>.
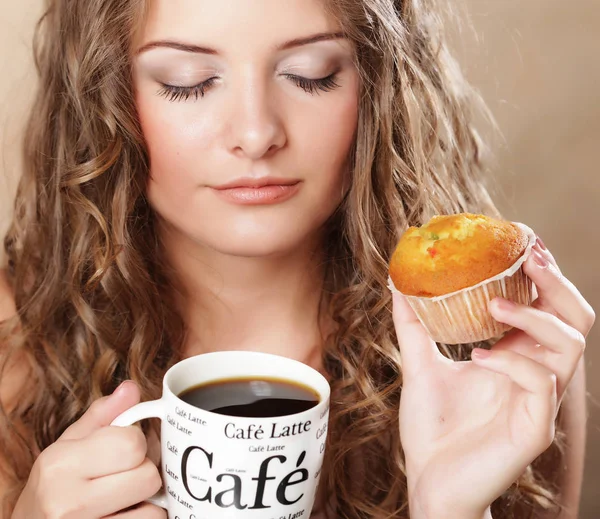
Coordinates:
<point>90,277</point>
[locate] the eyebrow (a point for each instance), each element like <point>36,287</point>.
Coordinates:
<point>188,47</point>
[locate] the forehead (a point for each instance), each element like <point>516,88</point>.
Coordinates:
<point>234,23</point>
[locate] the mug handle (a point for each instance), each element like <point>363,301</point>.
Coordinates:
<point>152,409</point>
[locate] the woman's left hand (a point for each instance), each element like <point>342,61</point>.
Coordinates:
<point>470,429</point>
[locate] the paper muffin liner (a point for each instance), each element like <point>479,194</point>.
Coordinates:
<point>463,316</point>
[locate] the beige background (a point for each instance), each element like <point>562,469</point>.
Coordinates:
<point>537,64</point>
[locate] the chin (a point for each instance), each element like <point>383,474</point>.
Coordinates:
<point>255,245</point>
<point>266,234</point>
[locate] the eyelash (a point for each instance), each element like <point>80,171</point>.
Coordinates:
<point>310,86</point>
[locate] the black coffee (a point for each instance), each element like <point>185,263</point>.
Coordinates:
<point>251,397</point>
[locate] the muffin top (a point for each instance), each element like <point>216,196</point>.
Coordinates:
<point>454,252</point>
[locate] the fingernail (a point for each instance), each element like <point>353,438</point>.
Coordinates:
<point>503,304</point>
<point>540,260</point>
<point>480,353</point>
<point>541,243</point>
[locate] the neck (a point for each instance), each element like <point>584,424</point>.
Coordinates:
<point>267,304</point>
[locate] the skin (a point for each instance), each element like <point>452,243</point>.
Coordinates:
<point>249,273</point>
<point>252,273</point>
<point>463,436</point>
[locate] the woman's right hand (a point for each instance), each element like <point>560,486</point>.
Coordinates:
<point>94,470</point>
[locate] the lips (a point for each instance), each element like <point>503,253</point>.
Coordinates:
<point>258,191</point>
<point>249,182</point>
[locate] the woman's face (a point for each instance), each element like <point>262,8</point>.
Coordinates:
<point>225,98</point>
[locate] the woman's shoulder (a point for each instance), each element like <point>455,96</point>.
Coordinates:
<point>16,371</point>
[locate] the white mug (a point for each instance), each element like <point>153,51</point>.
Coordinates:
<point>216,466</point>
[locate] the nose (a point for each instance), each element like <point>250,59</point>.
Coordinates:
<point>256,127</point>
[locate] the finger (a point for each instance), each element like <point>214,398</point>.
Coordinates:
<point>544,328</point>
<point>540,302</point>
<point>103,411</point>
<point>543,305</point>
<point>519,342</point>
<point>562,345</point>
<point>109,450</point>
<point>534,378</point>
<point>541,246</point>
<point>557,292</point>
<point>417,349</point>
<point>111,494</point>
<point>526,373</point>
<point>144,511</point>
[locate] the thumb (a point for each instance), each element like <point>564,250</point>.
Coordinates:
<point>417,348</point>
<point>103,411</point>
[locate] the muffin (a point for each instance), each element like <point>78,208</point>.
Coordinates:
<point>450,268</point>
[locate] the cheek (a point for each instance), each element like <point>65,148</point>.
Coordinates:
<point>328,141</point>
<point>177,143</point>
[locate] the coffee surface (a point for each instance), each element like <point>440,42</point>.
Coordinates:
<point>252,397</point>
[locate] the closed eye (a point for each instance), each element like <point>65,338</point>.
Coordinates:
<point>310,86</point>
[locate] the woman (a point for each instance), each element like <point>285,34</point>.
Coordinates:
<point>142,235</point>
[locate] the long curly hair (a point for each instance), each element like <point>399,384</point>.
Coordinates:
<point>92,286</point>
